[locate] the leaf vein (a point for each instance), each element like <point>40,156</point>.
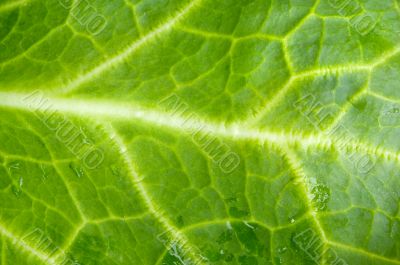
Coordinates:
<point>121,57</point>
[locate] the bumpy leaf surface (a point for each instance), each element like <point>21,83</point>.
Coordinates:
<point>200,132</point>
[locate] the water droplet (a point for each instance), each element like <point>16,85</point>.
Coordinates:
<point>248,225</point>
<point>16,190</point>
<point>321,197</point>
<point>78,171</point>
<point>14,165</point>
<point>292,220</point>
<point>21,182</point>
<point>282,250</point>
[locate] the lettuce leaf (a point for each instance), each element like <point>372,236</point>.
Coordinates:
<point>199,132</point>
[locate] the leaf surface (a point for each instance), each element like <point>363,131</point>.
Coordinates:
<point>199,132</point>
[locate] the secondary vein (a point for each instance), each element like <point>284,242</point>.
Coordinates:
<point>119,58</point>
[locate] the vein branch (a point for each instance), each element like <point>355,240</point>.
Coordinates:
<point>153,209</point>
<point>363,252</point>
<point>121,57</point>
<point>25,247</point>
<point>12,5</point>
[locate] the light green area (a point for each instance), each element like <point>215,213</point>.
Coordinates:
<point>306,104</point>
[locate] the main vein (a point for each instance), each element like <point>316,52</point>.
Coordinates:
<point>127,112</point>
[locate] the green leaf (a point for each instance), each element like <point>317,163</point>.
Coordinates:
<point>199,132</point>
